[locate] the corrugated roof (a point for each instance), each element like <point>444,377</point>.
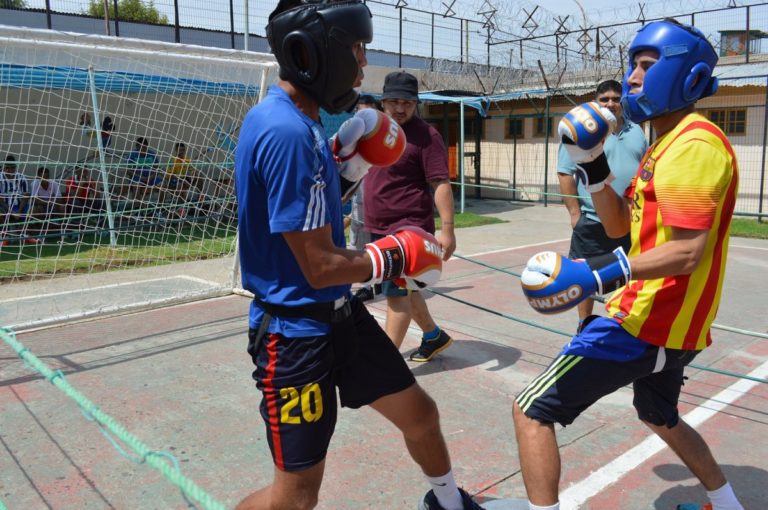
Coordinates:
<point>741,75</point>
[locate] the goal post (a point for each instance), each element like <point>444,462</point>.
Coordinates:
<point>128,147</point>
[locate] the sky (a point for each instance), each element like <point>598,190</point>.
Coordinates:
<point>446,43</point>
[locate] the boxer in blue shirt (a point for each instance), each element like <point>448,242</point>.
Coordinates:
<point>307,336</point>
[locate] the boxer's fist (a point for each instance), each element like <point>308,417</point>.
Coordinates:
<point>369,138</point>
<point>582,132</point>
<point>411,256</point>
<point>384,142</point>
<point>553,283</point>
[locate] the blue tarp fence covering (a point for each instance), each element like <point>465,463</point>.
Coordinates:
<point>72,78</point>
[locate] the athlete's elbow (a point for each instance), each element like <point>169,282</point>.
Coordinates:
<point>320,275</point>
<point>615,229</point>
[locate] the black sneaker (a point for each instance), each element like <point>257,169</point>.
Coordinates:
<point>364,294</point>
<point>430,502</point>
<point>429,348</point>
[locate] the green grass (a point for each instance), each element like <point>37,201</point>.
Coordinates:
<point>189,242</point>
<point>135,249</point>
<point>468,219</point>
<point>747,227</point>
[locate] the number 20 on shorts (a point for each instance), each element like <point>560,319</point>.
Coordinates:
<point>311,408</point>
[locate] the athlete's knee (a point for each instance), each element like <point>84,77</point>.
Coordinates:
<point>426,419</point>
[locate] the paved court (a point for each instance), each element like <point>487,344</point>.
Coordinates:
<point>178,378</point>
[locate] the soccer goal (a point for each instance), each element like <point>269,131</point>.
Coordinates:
<point>126,149</point>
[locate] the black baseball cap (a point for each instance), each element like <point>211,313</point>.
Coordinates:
<point>401,85</point>
<point>366,99</point>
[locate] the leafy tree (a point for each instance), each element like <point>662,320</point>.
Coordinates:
<point>128,10</point>
<point>13,4</point>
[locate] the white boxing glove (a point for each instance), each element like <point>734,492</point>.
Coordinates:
<point>583,131</point>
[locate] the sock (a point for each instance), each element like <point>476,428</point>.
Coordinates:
<point>531,506</point>
<point>724,498</point>
<point>446,491</point>
<point>432,335</point>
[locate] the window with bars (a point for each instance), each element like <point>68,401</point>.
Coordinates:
<point>514,128</point>
<point>733,121</point>
<point>539,127</point>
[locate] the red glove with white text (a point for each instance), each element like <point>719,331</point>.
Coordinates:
<point>411,256</point>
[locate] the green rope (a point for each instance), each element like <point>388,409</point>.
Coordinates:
<point>546,328</point>
<point>601,299</point>
<point>153,458</point>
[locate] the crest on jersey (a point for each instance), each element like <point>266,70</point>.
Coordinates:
<point>646,172</point>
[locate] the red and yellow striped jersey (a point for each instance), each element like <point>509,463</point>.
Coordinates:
<point>688,179</point>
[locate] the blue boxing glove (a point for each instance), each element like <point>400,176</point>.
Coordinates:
<point>554,284</point>
<point>583,131</point>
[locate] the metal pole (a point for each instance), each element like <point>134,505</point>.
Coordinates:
<point>488,49</point>
<point>432,46</point>
<point>460,152</point>
<point>748,36</point>
<point>234,274</point>
<point>546,153</point>
<point>762,165</point>
<point>176,28</point>
<point>232,23</point>
<point>514,162</point>
<point>400,37</point>
<point>106,18</point>
<point>117,20</point>
<point>478,130</point>
<point>102,159</point>
<point>48,21</point>
<point>247,34</point>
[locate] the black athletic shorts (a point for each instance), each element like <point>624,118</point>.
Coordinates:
<point>590,240</point>
<point>298,378</point>
<point>599,360</point>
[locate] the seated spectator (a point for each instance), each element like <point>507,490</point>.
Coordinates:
<point>82,201</point>
<point>14,203</point>
<point>47,208</point>
<point>107,126</point>
<point>180,179</point>
<point>142,171</point>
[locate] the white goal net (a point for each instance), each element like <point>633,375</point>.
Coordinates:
<point>117,186</point>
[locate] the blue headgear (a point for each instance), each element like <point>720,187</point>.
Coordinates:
<point>313,42</point>
<point>681,76</point>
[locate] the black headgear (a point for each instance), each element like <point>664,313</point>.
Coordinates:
<point>313,42</point>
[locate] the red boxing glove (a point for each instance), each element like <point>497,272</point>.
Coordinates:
<point>411,256</point>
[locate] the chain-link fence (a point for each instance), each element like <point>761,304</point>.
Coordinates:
<point>496,40</point>
<point>511,153</point>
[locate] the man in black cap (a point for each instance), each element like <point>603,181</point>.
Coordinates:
<point>403,195</point>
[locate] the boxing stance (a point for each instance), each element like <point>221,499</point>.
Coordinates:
<point>308,338</point>
<point>677,210</point>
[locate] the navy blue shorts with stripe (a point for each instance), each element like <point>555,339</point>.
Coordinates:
<point>298,378</point>
<point>600,360</point>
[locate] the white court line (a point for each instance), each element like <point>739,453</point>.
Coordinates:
<point>110,286</point>
<point>745,247</point>
<point>579,493</point>
<point>501,250</point>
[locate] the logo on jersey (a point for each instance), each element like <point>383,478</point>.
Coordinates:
<point>646,172</point>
